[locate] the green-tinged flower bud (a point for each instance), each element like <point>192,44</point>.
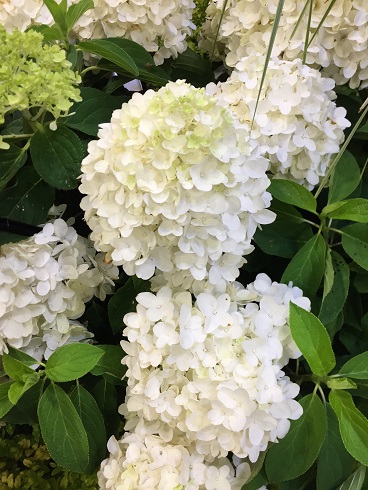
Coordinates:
<point>34,76</point>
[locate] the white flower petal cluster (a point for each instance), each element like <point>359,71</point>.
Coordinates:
<point>297,125</point>
<point>160,26</point>
<point>140,461</point>
<point>213,370</point>
<point>339,47</point>
<point>42,347</point>
<point>173,183</point>
<point>45,282</point>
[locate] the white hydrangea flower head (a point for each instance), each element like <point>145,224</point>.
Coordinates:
<point>174,183</point>
<point>212,370</point>
<point>339,47</point>
<point>145,461</point>
<point>41,348</point>
<point>297,124</point>
<point>45,282</point>
<point>160,26</point>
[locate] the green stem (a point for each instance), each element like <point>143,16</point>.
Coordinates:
<point>311,223</point>
<point>322,394</point>
<point>90,68</point>
<point>336,231</point>
<point>12,136</point>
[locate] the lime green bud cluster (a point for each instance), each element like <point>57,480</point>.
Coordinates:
<point>34,76</point>
<point>26,464</point>
<point>199,13</point>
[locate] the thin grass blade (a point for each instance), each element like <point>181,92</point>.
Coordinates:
<point>307,32</point>
<point>218,30</point>
<point>278,14</point>
<point>332,3</point>
<point>342,149</point>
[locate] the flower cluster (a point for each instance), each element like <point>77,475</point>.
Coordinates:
<point>174,183</point>
<point>34,76</point>
<point>149,462</point>
<point>45,282</point>
<point>339,46</point>
<point>297,125</point>
<point>212,370</point>
<point>160,26</point>
<point>41,347</point>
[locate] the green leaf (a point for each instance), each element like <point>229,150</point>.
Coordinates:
<point>341,384</point>
<point>293,193</point>
<point>148,71</point>
<point>361,282</point>
<point>257,482</point>
<point>355,243</point>
<point>256,468</point>
<point>93,423</point>
<point>62,430</point>
<point>25,411</point>
<point>11,160</point>
<point>300,483</point>
<point>15,369</point>
<point>109,365</point>
<point>76,11</point>
<point>329,274</point>
<point>121,303</point>
<point>57,156</point>
<point>334,463</point>
<point>357,367</point>
<point>95,108</point>
<point>312,339</point>
<point>353,425</point>
<point>298,450</point>
<point>74,57</point>
<point>22,357</point>
<point>286,212</point>
<point>344,179</point>
<point>58,12</point>
<point>282,239</point>
<point>72,361</point>
<point>355,481</point>
<point>18,388</point>
<point>5,403</point>
<point>49,33</point>
<point>110,51</point>
<point>106,397</point>
<point>334,326</point>
<point>306,268</point>
<point>29,200</point>
<point>334,302</point>
<point>6,237</point>
<point>193,68</point>
<point>354,210</point>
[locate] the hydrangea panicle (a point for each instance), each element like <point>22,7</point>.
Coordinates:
<point>35,76</point>
<point>245,26</point>
<point>174,183</point>
<point>145,461</point>
<point>212,370</point>
<point>45,282</point>
<point>297,125</point>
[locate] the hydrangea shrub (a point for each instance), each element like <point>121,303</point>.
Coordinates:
<point>183,248</point>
